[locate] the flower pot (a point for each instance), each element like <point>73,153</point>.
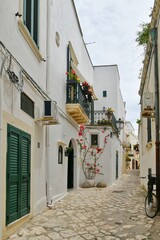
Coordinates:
<point>85,90</point>
<point>91,182</point>
<point>72,82</point>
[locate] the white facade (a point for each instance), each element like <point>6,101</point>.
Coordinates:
<point>39,75</point>
<point>19,54</point>
<point>149,98</point>
<point>106,78</point>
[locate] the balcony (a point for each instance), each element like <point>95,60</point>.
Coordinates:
<point>104,119</point>
<point>78,102</point>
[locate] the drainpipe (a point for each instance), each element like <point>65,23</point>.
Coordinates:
<point>1,157</point>
<point>154,37</point>
<point>47,145</point>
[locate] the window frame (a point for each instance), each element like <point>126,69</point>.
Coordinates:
<point>34,32</point>
<point>97,140</point>
<point>24,98</point>
<point>60,154</point>
<point>149,130</point>
<point>104,93</point>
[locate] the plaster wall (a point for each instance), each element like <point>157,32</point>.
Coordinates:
<point>13,39</point>
<point>108,158</point>
<point>64,23</point>
<point>106,78</point>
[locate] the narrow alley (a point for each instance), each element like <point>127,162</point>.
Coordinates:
<point>112,213</point>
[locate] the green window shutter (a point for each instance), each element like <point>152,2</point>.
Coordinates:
<point>12,175</point>
<point>28,12</point>
<point>35,22</point>
<point>25,174</point>
<point>30,17</point>
<point>18,174</point>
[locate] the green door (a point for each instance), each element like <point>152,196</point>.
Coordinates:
<point>18,174</point>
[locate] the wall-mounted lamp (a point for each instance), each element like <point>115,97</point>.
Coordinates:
<point>119,125</point>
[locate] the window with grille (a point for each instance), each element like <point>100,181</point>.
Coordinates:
<point>27,105</point>
<point>30,17</point>
<point>94,140</point>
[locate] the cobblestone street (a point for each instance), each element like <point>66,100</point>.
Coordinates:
<point>112,213</point>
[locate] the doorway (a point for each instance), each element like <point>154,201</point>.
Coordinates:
<point>70,175</point>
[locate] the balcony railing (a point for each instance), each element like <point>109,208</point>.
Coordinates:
<point>104,119</point>
<point>75,94</point>
<point>79,104</point>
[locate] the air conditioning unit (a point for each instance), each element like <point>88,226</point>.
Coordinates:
<point>147,105</point>
<point>148,101</point>
<point>50,108</point>
<point>51,111</point>
<point>50,115</point>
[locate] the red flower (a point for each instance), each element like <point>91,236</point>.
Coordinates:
<point>81,127</point>
<point>88,164</point>
<point>84,147</point>
<point>85,84</point>
<point>79,133</point>
<point>73,71</point>
<point>99,150</point>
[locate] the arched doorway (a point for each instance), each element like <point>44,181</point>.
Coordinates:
<point>70,175</point>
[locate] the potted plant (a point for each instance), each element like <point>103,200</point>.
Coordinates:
<point>72,77</point>
<point>85,87</point>
<point>109,112</point>
<point>68,150</point>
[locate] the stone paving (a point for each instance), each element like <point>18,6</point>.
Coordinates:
<point>112,213</point>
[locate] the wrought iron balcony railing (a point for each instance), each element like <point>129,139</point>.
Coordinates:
<point>79,102</point>
<point>104,119</point>
<point>75,94</point>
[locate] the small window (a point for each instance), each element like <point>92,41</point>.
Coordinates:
<point>60,155</point>
<point>149,134</point>
<point>27,105</point>
<point>94,140</point>
<point>30,18</point>
<point>104,93</point>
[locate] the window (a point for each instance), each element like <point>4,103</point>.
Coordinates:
<point>94,140</point>
<point>27,105</point>
<point>18,174</point>
<point>104,93</point>
<point>149,134</point>
<point>60,155</point>
<point>30,18</point>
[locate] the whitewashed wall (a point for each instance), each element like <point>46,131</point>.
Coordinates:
<point>147,151</point>
<point>66,24</point>
<point>10,109</point>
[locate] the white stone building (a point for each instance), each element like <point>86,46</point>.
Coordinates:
<point>107,88</point>
<point>41,108</point>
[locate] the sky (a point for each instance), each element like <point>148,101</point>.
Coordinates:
<point>109,30</point>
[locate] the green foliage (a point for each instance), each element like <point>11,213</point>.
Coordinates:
<point>143,35</point>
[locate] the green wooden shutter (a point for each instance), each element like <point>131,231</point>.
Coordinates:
<point>30,17</point>
<point>25,174</point>
<point>35,22</point>
<point>18,174</point>
<point>28,20</point>
<point>12,175</point>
